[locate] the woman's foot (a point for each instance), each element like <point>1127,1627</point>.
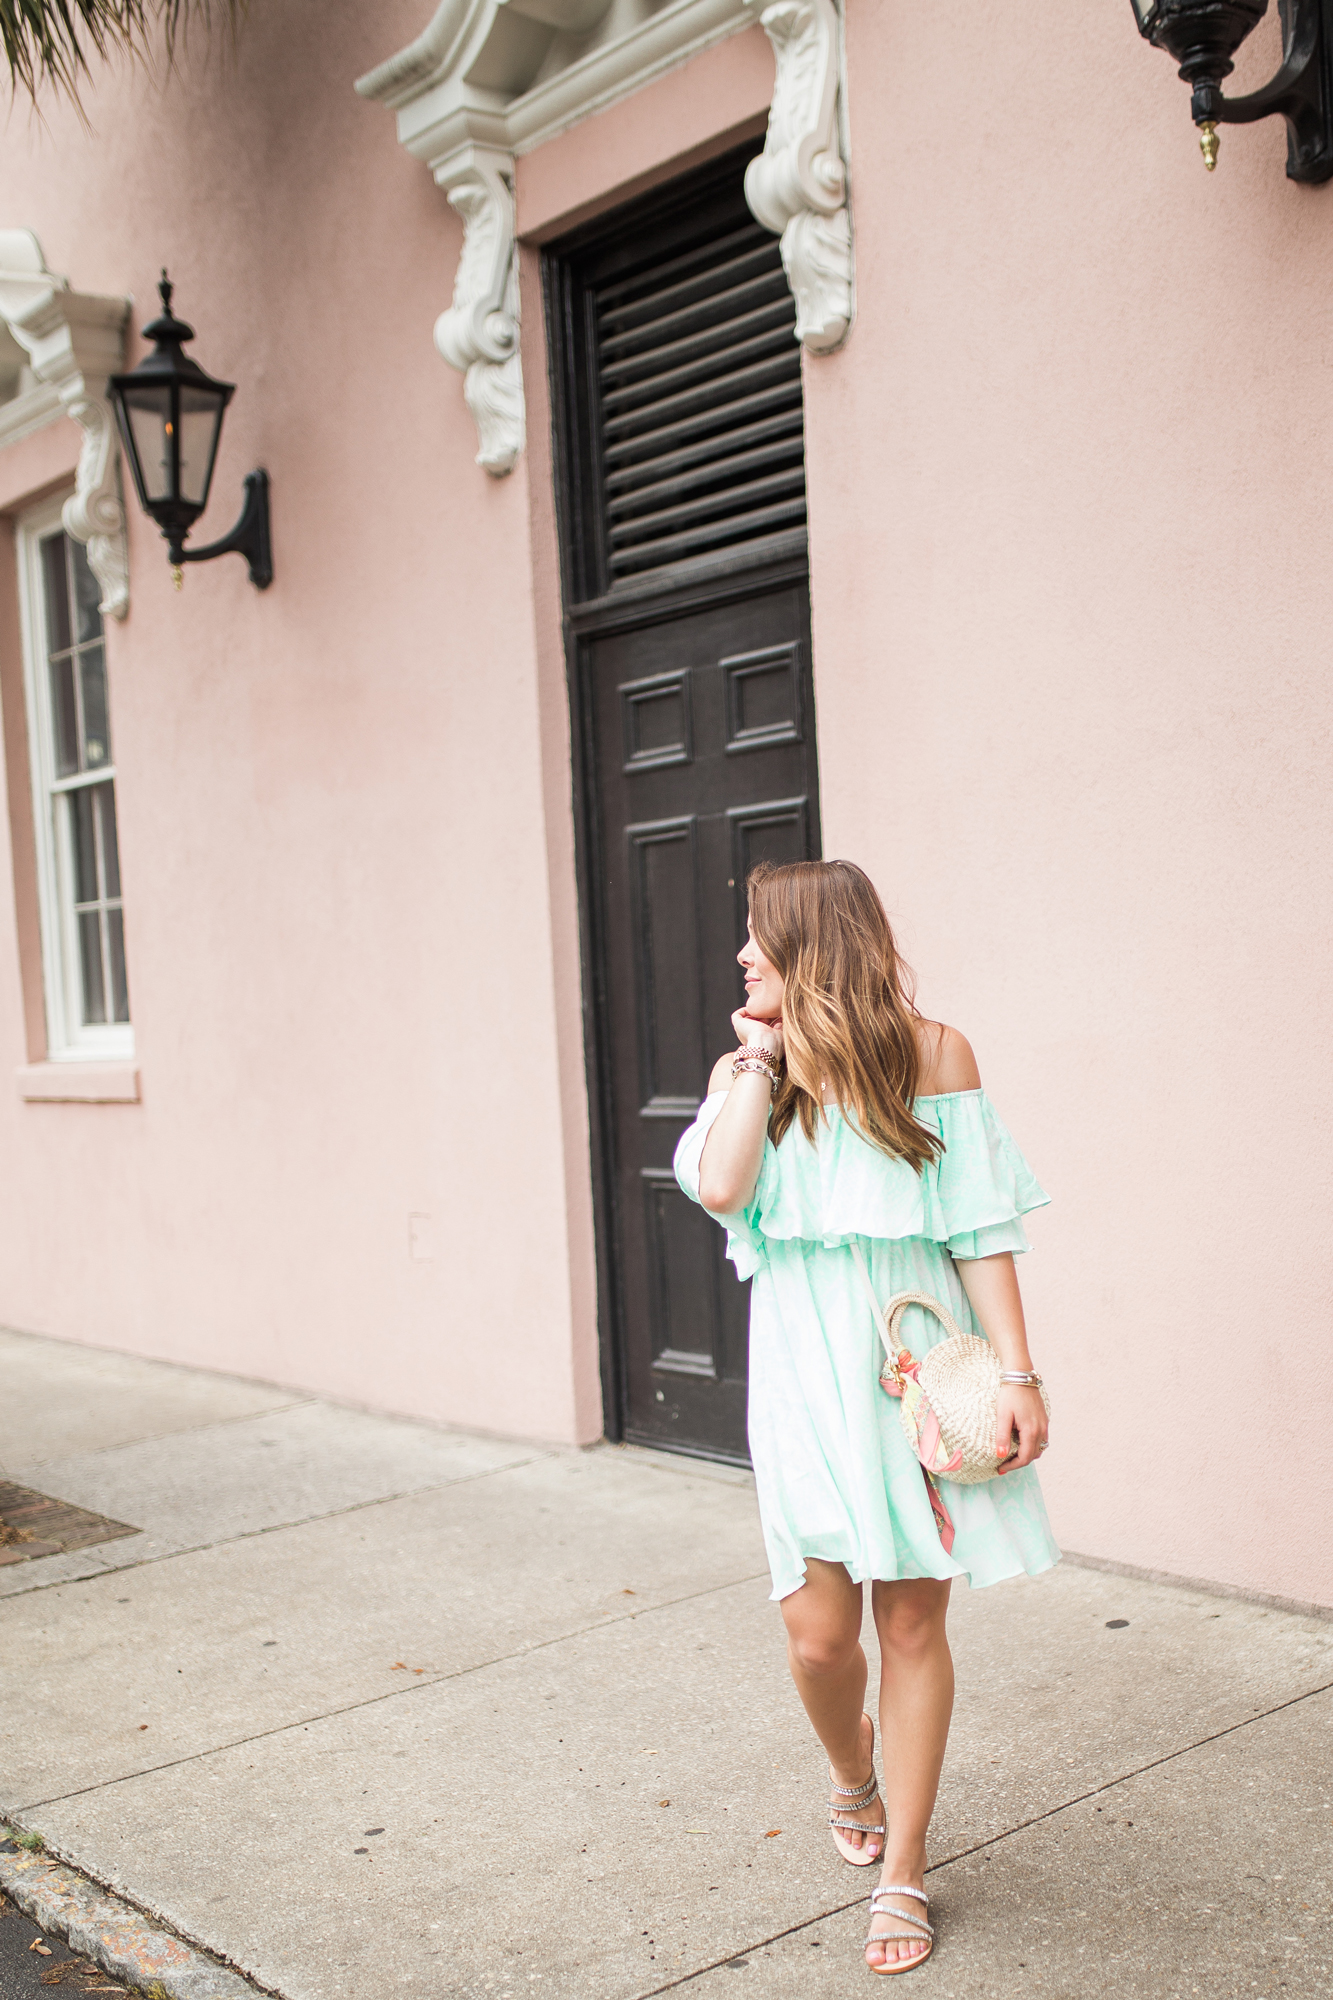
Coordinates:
<point>896,1913</point>
<point>858,1828</point>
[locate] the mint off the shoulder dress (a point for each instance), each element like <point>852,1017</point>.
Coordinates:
<point>835,1476</point>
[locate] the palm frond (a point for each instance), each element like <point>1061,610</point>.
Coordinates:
<point>54,41</point>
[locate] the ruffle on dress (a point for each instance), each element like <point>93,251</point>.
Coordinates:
<point>971,1199</point>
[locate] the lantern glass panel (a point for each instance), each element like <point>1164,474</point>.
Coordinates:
<point>148,411</point>
<point>200,422</point>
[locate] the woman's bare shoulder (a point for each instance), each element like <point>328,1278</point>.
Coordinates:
<point>947,1061</point>
<point>721,1077</point>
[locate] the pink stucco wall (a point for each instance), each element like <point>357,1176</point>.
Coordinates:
<point>1071,629</point>
<point>1072,710</point>
<point>330,795</point>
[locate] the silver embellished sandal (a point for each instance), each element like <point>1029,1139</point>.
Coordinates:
<point>920,1928</point>
<point>841,1823</point>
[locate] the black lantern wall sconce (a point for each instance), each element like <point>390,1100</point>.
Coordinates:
<point>170,415</point>
<point>1203,36</point>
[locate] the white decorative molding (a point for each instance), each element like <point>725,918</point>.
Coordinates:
<point>73,342</point>
<point>486,80</point>
<point>797,186</point>
<point>513,73</point>
<point>31,410</point>
<point>478,334</point>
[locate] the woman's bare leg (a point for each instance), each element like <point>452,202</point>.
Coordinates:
<point>915,1704</point>
<point>823,1620</point>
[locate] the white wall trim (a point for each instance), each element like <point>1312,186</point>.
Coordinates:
<point>68,1041</point>
<point>31,411</point>
<point>78,1083</point>
<point>73,341</point>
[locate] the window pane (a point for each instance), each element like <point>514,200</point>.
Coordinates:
<point>201,415</point>
<point>83,842</point>
<point>120,997</point>
<point>96,727</point>
<point>57,593</point>
<point>64,717</point>
<point>90,954</point>
<point>87,593</point>
<point>148,428</point>
<point>106,800</point>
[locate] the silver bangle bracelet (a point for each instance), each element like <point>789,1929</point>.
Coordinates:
<point>1020,1378</point>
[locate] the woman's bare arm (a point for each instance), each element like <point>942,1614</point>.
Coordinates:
<point>991,1283</point>
<point>734,1149</point>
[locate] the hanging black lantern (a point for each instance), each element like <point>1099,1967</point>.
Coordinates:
<point>170,415</point>
<point>1203,36</point>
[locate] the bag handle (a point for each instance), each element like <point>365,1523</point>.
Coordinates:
<point>890,1316</point>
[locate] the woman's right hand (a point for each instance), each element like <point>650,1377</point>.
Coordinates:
<point>752,1033</point>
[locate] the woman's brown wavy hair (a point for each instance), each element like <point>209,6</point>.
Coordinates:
<point>847,1010</point>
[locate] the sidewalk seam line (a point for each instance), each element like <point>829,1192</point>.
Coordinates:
<point>161,1437</point>
<point>273,1528</point>
<point>995,1840</point>
<point>390,1694</point>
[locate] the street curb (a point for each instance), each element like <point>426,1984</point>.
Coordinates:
<point>113,1934</point>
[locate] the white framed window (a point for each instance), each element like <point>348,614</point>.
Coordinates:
<point>74,796</point>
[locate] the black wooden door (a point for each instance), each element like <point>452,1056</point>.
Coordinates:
<point>683,506</point>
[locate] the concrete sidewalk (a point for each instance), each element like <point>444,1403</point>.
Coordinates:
<point>367,1707</point>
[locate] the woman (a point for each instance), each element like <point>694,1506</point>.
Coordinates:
<point>846,1119</point>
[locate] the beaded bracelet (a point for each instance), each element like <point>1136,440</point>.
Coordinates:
<point>753,1054</point>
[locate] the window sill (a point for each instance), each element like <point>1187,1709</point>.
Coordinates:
<point>79,1083</point>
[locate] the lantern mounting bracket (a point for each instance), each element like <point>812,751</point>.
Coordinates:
<point>249,538</point>
<point>1203,36</point>
<point>1301,91</point>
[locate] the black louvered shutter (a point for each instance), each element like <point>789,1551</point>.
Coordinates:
<point>693,444</point>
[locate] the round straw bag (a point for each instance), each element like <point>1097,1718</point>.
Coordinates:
<point>948,1401</point>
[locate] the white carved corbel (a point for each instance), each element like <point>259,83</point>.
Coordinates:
<point>478,334</point>
<point>486,80</point>
<point>797,186</point>
<point>73,342</point>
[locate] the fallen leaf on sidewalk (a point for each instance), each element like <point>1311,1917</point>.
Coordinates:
<point>664,1802</point>
<point>37,1945</point>
<point>398,1667</point>
<point>773,1833</point>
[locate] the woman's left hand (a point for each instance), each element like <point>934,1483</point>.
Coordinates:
<point>1020,1410</point>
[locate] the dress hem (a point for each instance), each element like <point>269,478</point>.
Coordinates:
<point>776,1596</point>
